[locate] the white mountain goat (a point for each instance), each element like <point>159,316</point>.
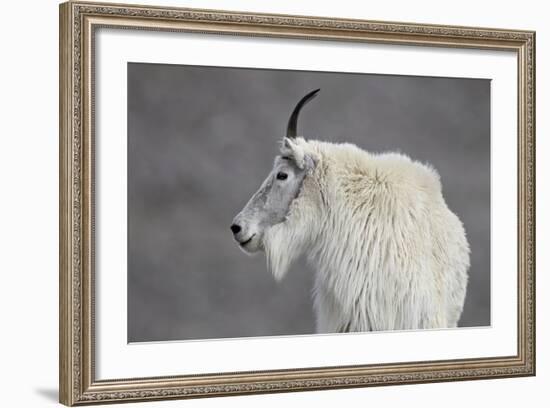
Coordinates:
<point>388,252</point>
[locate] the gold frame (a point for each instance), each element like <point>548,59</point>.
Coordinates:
<point>78,21</point>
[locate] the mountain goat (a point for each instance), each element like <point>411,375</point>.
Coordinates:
<point>388,252</point>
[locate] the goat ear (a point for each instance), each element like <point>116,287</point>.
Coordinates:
<point>287,145</point>
<point>294,151</point>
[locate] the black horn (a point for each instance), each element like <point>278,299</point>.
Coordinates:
<point>293,121</point>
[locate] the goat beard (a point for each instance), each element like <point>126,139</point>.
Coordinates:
<point>283,244</point>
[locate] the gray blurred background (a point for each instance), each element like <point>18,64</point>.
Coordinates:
<point>202,139</point>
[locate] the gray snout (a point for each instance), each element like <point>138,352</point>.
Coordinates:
<point>242,230</point>
<point>238,228</point>
<point>245,228</point>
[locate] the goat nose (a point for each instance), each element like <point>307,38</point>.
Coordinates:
<point>235,229</point>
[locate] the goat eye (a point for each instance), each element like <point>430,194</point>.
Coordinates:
<point>281,176</point>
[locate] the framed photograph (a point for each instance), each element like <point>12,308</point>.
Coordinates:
<point>256,203</point>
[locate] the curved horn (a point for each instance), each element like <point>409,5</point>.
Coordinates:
<point>293,121</point>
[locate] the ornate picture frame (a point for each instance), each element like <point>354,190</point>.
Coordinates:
<point>79,22</point>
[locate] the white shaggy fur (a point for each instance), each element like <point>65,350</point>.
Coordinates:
<point>388,251</point>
